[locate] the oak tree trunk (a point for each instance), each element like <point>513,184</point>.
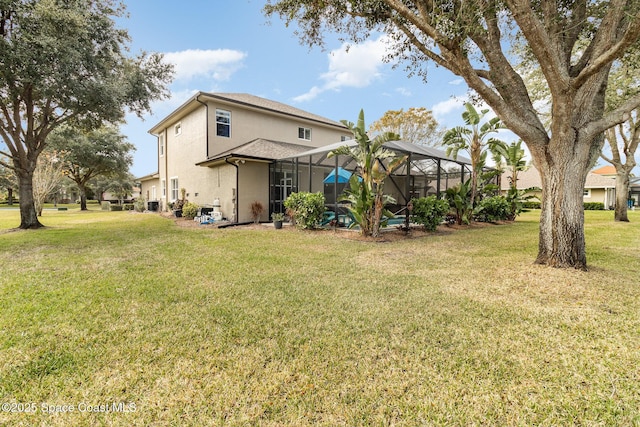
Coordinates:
<point>83,196</point>
<point>561,236</point>
<point>28,214</point>
<point>622,195</point>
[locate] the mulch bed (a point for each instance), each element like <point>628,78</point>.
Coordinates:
<point>389,234</point>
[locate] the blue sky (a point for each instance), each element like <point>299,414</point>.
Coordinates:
<point>229,46</point>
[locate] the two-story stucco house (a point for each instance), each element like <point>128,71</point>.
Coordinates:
<point>219,146</point>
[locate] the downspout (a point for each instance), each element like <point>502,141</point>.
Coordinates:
<point>235,214</point>
<point>166,170</point>
<point>206,106</point>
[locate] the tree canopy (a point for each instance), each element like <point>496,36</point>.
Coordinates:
<point>574,43</point>
<point>103,151</point>
<point>66,62</point>
<point>416,125</point>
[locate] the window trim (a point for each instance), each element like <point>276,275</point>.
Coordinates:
<point>163,184</point>
<point>171,189</point>
<point>304,133</point>
<point>586,193</point>
<point>161,145</point>
<point>177,129</point>
<point>227,114</point>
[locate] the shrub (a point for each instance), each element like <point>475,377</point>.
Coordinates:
<point>190,210</point>
<point>105,206</point>
<point>140,205</point>
<point>429,211</point>
<point>305,208</point>
<point>495,208</point>
<point>256,210</point>
<point>127,206</point>
<point>531,205</point>
<point>594,206</point>
<point>115,207</point>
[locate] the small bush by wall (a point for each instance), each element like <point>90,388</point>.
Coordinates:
<point>115,207</point>
<point>190,210</point>
<point>531,205</point>
<point>105,206</point>
<point>127,206</point>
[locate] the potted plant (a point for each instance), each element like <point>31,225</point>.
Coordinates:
<point>277,218</point>
<point>178,204</point>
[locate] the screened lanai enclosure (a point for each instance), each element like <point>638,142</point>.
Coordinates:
<point>426,171</point>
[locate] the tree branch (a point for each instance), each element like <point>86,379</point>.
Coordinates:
<point>612,118</point>
<point>613,50</point>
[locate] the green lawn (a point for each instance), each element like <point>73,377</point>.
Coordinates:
<point>263,327</point>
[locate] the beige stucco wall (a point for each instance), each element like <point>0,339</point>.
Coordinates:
<point>247,125</point>
<point>146,189</point>
<point>204,184</point>
<point>254,186</point>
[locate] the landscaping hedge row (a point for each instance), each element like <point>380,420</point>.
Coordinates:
<point>588,206</point>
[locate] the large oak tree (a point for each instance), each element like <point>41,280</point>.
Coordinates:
<point>89,154</point>
<point>469,38</point>
<point>66,61</point>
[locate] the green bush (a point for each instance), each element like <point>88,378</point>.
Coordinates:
<point>115,207</point>
<point>140,205</point>
<point>190,210</point>
<point>105,206</point>
<point>127,206</point>
<point>429,211</point>
<point>531,205</point>
<point>305,208</point>
<point>495,208</point>
<point>593,206</point>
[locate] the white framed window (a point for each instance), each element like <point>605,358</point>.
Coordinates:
<point>223,123</point>
<point>154,195</point>
<point>161,145</point>
<point>304,133</point>
<point>173,196</point>
<point>163,185</point>
<point>586,193</point>
<point>345,138</point>
<point>177,129</point>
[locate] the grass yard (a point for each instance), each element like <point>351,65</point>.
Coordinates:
<point>163,325</point>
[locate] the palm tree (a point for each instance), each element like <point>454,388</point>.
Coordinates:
<point>474,139</point>
<point>514,158</point>
<point>366,186</point>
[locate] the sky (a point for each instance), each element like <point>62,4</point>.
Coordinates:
<point>230,46</point>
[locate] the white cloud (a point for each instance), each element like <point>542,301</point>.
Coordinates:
<point>217,64</point>
<point>456,82</point>
<point>404,91</point>
<point>444,108</point>
<point>354,66</point>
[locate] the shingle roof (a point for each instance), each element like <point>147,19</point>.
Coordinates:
<point>262,149</point>
<point>267,104</point>
<point>605,170</point>
<point>531,178</point>
<point>247,100</point>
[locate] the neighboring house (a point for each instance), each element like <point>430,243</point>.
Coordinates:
<point>634,182</point>
<point>150,190</point>
<point>222,146</point>
<point>110,197</point>
<point>597,188</point>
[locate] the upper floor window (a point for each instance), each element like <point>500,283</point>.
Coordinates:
<point>161,145</point>
<point>223,123</point>
<point>304,133</point>
<point>177,129</point>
